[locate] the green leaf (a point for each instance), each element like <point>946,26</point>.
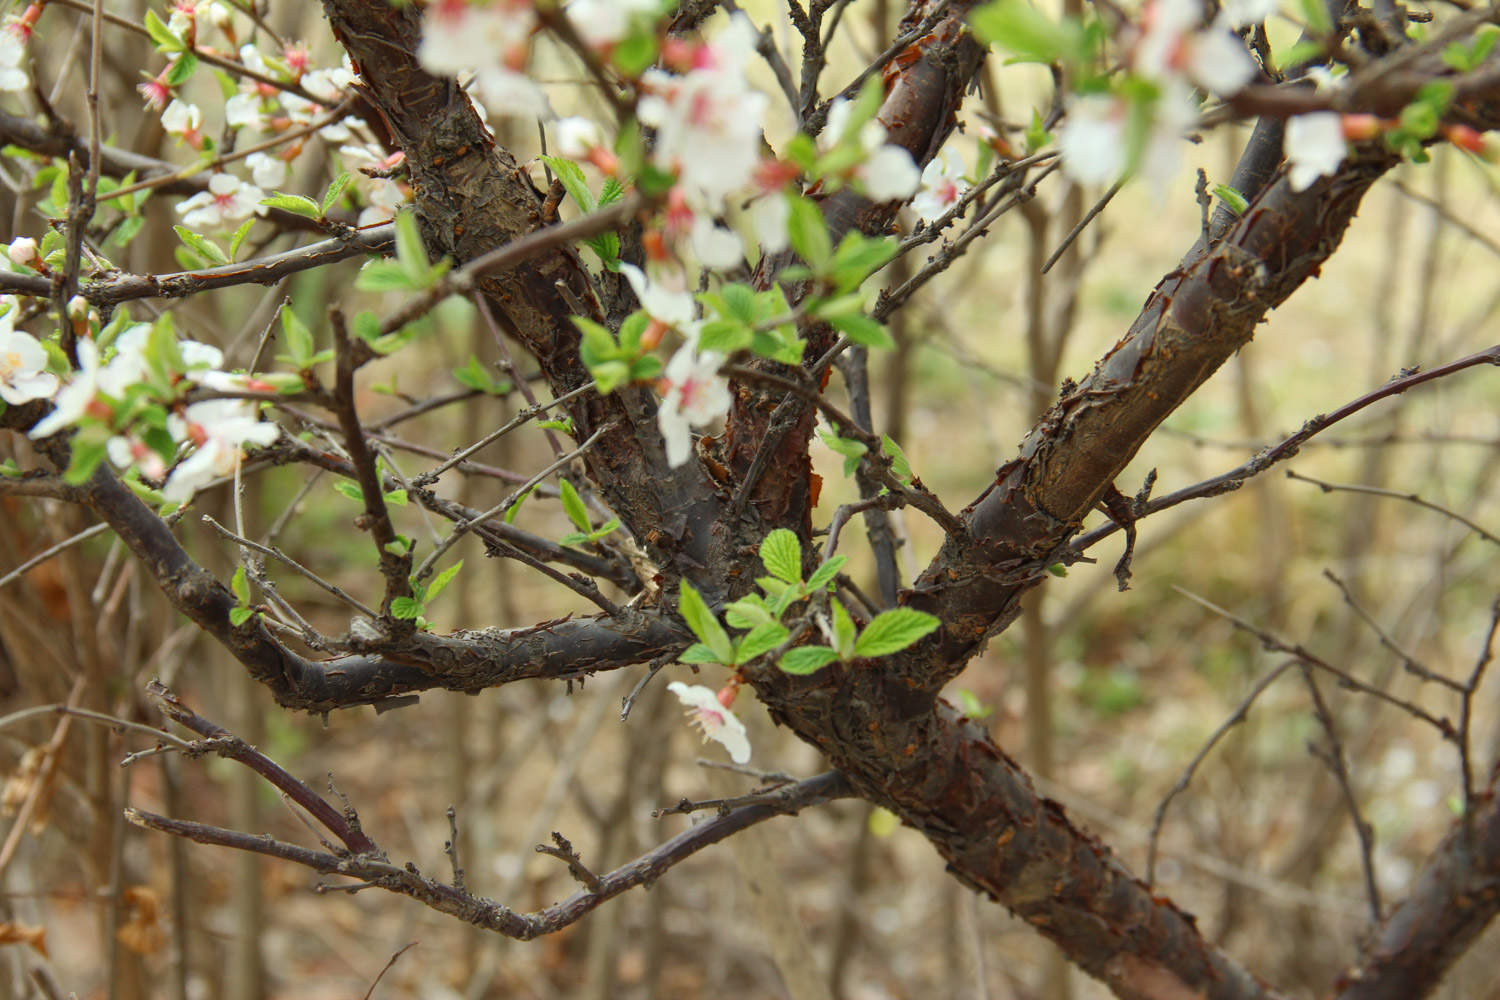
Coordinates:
<point>1232,199</point>
<point>476,376</point>
<point>240,585</point>
<point>1023,29</point>
<point>852,450</point>
<point>294,203</point>
<point>824,574</point>
<point>201,245</point>
<point>88,447</point>
<point>971,706</point>
<point>900,467</point>
<point>759,641</point>
<point>442,580</point>
<point>299,339</point>
<point>384,276</point>
<point>574,507</point>
<point>782,554</point>
<point>515,508</point>
<point>564,424</point>
<point>808,232</point>
<point>843,629</point>
<point>894,630</point>
<point>396,498</point>
<point>409,248</point>
<point>747,612</point>
<point>862,330</point>
<point>240,615</point>
<point>238,237</point>
<point>703,623</point>
<point>1315,14</point>
<point>725,336</point>
<point>350,490</point>
<point>571,175</point>
<point>405,607</point>
<point>858,257</point>
<point>698,653</point>
<point>182,70</point>
<point>334,192</point>
<point>806,659</point>
<point>161,34</point>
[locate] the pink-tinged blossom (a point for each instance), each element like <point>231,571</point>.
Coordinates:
<point>713,719</point>
<point>708,120</point>
<point>23,363</point>
<point>184,121</point>
<point>1174,43</point>
<point>218,429</point>
<point>125,452</point>
<point>156,91</point>
<point>1314,146</point>
<point>943,185</point>
<point>73,400</point>
<point>12,52</point>
<point>383,198</point>
<point>22,251</point>
<point>693,395</point>
<point>227,200</point>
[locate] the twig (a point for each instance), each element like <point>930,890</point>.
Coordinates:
<point>48,553</point>
<point>387,967</point>
<point>564,852</point>
<point>1381,491</point>
<point>291,563</point>
<point>1083,224</point>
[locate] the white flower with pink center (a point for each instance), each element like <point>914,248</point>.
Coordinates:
<point>943,185</point>
<point>888,171</point>
<point>694,395</point>
<point>1091,139</point>
<point>708,120</point>
<point>1174,43</point>
<point>227,200</point>
<point>713,718</point>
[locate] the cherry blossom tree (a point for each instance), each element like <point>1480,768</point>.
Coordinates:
<point>680,274</point>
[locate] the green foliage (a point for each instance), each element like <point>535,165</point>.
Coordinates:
<point>423,594</point>
<point>1021,28</point>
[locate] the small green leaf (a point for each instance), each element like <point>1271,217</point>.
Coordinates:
<point>294,203</point>
<point>396,498</point>
<point>1057,569</point>
<point>384,276</point>
<point>335,190</point>
<point>181,71</point>
<point>299,339</point>
<point>405,607</point>
<point>564,424</point>
<point>747,612</point>
<point>862,330</point>
<point>843,629</point>
<point>971,706</point>
<point>442,580</point>
<point>808,232</point>
<point>161,34</point>
<point>782,554</point>
<point>894,630</point>
<point>409,248</point>
<point>201,245</point>
<point>571,175</point>
<point>806,659</point>
<point>350,490</point>
<point>515,508</point>
<point>1022,28</point>
<point>239,616</point>
<point>759,641</point>
<point>900,467</point>
<point>574,507</point>
<point>698,653</point>
<point>1315,14</point>
<point>1232,199</point>
<point>703,623</point>
<point>238,237</point>
<point>240,585</point>
<point>824,574</point>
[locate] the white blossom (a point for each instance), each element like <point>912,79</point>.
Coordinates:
<point>1091,139</point>
<point>12,51</point>
<point>227,200</point>
<point>888,171</point>
<point>181,118</point>
<point>73,399</point>
<point>1314,146</point>
<point>243,110</point>
<point>23,363</point>
<point>769,216</point>
<point>694,394</point>
<point>265,170</point>
<point>22,251</point>
<point>604,22</point>
<point>714,720</point>
<point>218,428</point>
<point>1243,13</point>
<point>708,120</point>
<point>575,136</point>
<point>673,309</point>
